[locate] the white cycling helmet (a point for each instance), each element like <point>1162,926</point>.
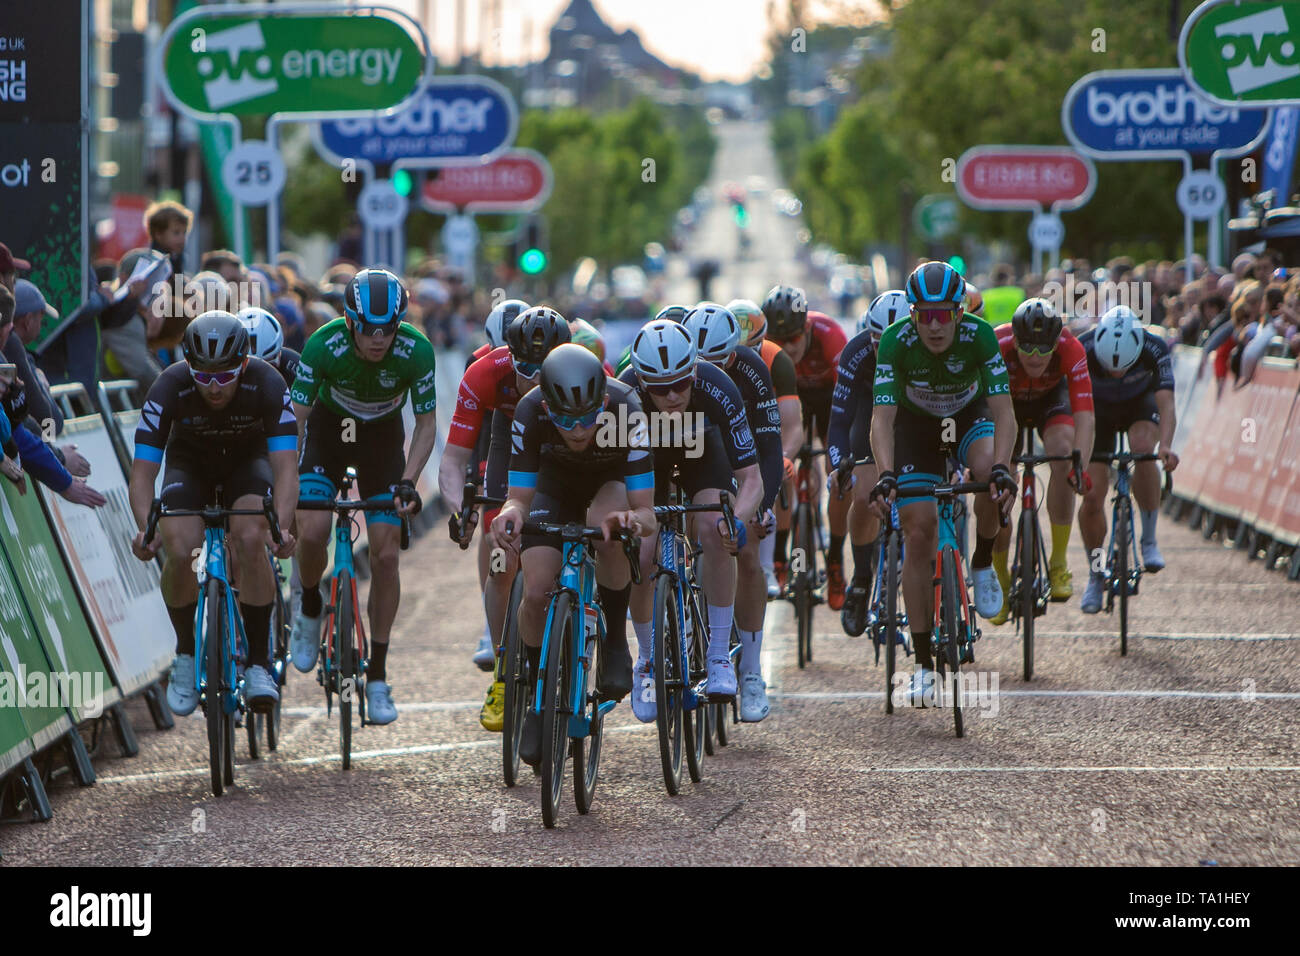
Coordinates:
<point>663,351</point>
<point>885,309</point>
<point>499,320</point>
<point>715,331</point>
<point>264,336</point>
<point>1119,339</point>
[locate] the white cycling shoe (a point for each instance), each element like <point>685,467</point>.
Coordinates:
<point>259,688</point>
<point>380,708</point>
<point>1152,559</point>
<point>722,677</point>
<point>644,706</point>
<point>753,698</point>
<point>773,588</point>
<point>485,658</point>
<point>1093,593</point>
<point>304,642</point>
<point>182,695</point>
<point>920,690</point>
<point>988,592</point>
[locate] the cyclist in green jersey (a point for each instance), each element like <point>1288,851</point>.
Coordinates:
<point>352,382</point>
<point>941,380</point>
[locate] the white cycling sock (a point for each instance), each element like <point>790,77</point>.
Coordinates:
<point>751,643</point>
<point>642,631</point>
<point>719,630</point>
<point>767,551</point>
<point>1149,525</point>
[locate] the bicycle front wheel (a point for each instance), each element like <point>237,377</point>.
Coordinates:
<point>586,752</point>
<point>669,682</point>
<point>555,717</point>
<point>890,624</point>
<point>696,722</point>
<point>214,637</point>
<point>516,681</point>
<point>1029,572</point>
<point>346,658</point>
<point>280,665</point>
<point>1123,519</point>
<point>804,583</point>
<point>951,617</point>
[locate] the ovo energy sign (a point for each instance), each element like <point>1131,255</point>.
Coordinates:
<point>1243,53</point>
<point>221,60</point>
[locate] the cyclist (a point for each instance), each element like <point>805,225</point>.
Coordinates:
<point>588,336</point>
<point>559,472</point>
<point>814,342</point>
<point>1133,391</point>
<point>753,331</point>
<point>940,380</point>
<point>352,382</point>
<point>675,312</point>
<point>222,418</point>
<point>266,341</point>
<point>973,301</point>
<point>848,447</point>
<point>717,341</point>
<point>494,327</point>
<point>494,384</point>
<point>695,409</point>
<point>1051,391</point>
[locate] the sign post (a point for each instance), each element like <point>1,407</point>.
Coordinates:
<point>1028,177</point>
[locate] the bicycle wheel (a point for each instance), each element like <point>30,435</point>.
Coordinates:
<point>951,617</point>
<point>695,721</point>
<point>345,656</point>
<point>669,681</point>
<point>555,717</point>
<point>890,625</point>
<point>280,665</point>
<point>252,724</point>
<point>213,703</point>
<point>515,677</point>
<point>804,583</point>
<point>586,752</point>
<point>1029,572</point>
<point>1120,567</point>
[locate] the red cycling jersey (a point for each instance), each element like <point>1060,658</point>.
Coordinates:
<point>820,364</point>
<point>489,384</point>
<point>1069,355</point>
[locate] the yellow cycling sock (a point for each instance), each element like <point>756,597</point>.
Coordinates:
<point>1000,566</point>
<point>1060,543</point>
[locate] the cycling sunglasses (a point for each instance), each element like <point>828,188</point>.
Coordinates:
<point>528,370</point>
<point>568,423</point>
<point>216,378</point>
<point>664,389</point>
<point>368,331</point>
<point>931,316</point>
<point>1036,349</point>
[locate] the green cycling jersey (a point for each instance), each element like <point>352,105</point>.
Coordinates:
<point>910,375</point>
<point>332,372</point>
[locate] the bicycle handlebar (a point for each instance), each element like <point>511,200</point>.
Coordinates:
<point>345,507</point>
<point>212,515</point>
<point>575,532</point>
<point>944,490</point>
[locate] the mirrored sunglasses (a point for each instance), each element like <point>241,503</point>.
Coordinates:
<point>568,423</point>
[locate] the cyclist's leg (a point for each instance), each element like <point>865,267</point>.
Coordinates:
<point>540,560</point>
<point>502,567</point>
<point>184,487</point>
<point>864,526</point>
<point>975,450</point>
<point>246,486</point>
<point>918,461</point>
<point>614,586</point>
<point>1092,510</point>
<point>1058,439</point>
<point>704,479</point>
<point>321,465</point>
<point>1143,436</point>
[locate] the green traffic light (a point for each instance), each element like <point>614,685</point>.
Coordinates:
<point>402,182</point>
<point>742,216</point>
<point>958,263</point>
<point>532,262</point>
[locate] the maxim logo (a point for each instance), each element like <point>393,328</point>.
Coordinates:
<point>1258,50</point>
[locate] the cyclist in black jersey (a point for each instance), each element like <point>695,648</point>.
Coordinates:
<point>222,418</point>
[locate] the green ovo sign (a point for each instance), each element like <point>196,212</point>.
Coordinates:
<point>1243,53</point>
<point>258,60</point>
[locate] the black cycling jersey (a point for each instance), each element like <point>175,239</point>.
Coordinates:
<point>718,400</point>
<point>1152,372</point>
<point>258,419</point>
<point>852,399</point>
<point>287,363</point>
<point>749,373</point>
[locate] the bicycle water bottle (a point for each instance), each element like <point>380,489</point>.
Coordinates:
<point>590,626</point>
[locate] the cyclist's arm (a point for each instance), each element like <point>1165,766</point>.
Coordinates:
<point>151,434</point>
<point>300,413</point>
<point>791,426</point>
<point>451,475</point>
<point>996,384</point>
<point>842,404</point>
<point>1004,428</point>
<point>749,494</point>
<point>882,436</point>
<point>140,490</point>
<point>1085,430</point>
<point>1079,383</point>
<point>284,482</point>
<point>884,394</point>
<point>642,501</point>
<point>423,439</point>
<point>1168,417</point>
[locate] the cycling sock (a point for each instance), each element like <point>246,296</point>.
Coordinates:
<point>924,654</point>
<point>257,628</point>
<point>782,544</point>
<point>863,564</point>
<point>1149,525</point>
<point>312,604</point>
<point>767,550</point>
<point>534,655</point>
<point>719,630</point>
<point>378,658</point>
<point>751,643</point>
<point>614,601</point>
<point>183,623</point>
<point>642,631</point>
<point>1060,542</point>
<point>835,553</point>
<point>487,632</point>
<point>983,555</point>
<point>1000,566</point>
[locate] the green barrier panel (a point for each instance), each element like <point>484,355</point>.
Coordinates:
<point>52,602</point>
<point>26,684</point>
<point>15,744</point>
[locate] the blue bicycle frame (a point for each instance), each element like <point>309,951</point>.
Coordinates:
<point>672,546</point>
<point>212,566</point>
<point>876,611</point>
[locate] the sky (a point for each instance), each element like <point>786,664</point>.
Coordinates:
<point>718,39</point>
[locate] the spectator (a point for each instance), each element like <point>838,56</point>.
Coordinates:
<point>126,326</point>
<point>1212,309</point>
<point>10,266</point>
<point>224,263</point>
<point>1002,299</point>
<point>169,224</point>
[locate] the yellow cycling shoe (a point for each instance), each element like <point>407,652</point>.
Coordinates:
<point>997,620</point>
<point>1061,579</point>
<point>493,714</point>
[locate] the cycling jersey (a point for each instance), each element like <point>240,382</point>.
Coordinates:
<point>488,386</point>
<point>1068,362</point>
<point>816,370</point>
<point>288,363</point>
<point>784,382</point>
<point>851,401</point>
<point>1152,372</point>
<point>348,385</point>
<point>175,417</point>
<point>754,382</point>
<point>910,376</point>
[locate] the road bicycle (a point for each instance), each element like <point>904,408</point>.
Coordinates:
<point>806,577</point>
<point>277,667</point>
<point>886,621</point>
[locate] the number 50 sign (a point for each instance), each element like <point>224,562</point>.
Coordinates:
<point>1201,195</point>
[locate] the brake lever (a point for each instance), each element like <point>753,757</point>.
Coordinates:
<point>268,509</point>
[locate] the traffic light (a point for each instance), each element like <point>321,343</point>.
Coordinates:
<point>958,263</point>
<point>402,182</point>
<point>742,215</point>
<point>530,247</point>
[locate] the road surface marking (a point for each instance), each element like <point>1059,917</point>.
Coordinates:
<point>1192,694</point>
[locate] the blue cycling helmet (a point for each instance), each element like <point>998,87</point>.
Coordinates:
<point>937,284</point>
<point>375,298</point>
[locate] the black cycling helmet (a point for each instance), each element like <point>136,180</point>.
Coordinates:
<point>534,332</point>
<point>786,309</point>
<point>376,299</point>
<point>215,342</point>
<point>677,313</point>
<point>937,284</point>
<point>1036,324</point>
<point>573,380</point>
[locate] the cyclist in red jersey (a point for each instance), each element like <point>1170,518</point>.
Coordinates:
<point>494,384</point>
<point>813,341</point>
<point>1051,391</point>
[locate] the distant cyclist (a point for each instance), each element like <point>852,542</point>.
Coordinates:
<point>266,341</point>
